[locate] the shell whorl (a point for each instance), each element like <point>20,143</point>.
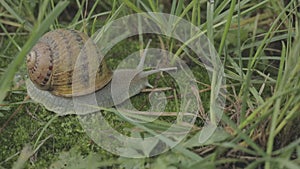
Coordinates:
<point>67,63</point>
<point>40,68</point>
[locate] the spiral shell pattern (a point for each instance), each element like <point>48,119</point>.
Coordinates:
<point>67,63</point>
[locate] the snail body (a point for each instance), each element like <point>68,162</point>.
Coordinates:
<point>66,70</point>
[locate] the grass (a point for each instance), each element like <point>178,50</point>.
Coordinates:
<point>257,42</point>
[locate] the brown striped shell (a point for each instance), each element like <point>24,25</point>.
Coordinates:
<point>67,63</point>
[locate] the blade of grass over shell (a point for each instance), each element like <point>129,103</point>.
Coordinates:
<point>35,34</point>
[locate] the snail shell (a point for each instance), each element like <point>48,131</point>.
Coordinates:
<point>65,86</point>
<point>51,64</point>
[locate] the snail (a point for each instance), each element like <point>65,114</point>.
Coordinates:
<point>66,64</point>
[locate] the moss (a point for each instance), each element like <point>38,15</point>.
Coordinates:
<point>66,132</point>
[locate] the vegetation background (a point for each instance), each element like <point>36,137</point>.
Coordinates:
<point>257,41</point>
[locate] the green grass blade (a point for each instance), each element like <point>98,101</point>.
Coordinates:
<point>8,75</point>
<point>227,26</point>
<point>27,26</point>
<point>132,6</point>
